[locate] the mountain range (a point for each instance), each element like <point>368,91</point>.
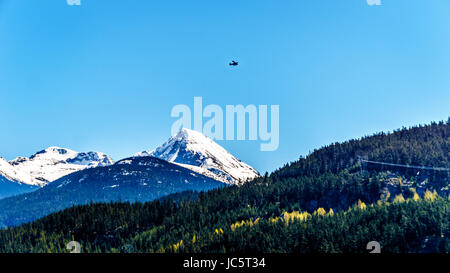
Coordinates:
<point>57,178</point>
<point>188,148</point>
<point>327,202</point>
<point>50,164</point>
<point>132,179</point>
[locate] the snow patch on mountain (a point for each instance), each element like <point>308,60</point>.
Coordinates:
<point>11,173</point>
<point>53,163</point>
<point>193,150</point>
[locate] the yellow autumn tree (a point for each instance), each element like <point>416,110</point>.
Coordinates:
<point>295,216</point>
<point>416,196</point>
<point>176,247</point>
<point>361,205</point>
<point>249,223</point>
<point>399,199</point>
<point>320,211</point>
<point>430,196</point>
<point>274,220</point>
<point>331,212</point>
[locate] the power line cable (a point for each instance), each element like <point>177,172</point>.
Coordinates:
<point>406,166</point>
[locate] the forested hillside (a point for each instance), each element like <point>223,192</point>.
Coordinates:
<point>9,188</point>
<point>326,202</point>
<point>427,145</point>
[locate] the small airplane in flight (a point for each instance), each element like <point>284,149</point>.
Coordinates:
<point>233,63</point>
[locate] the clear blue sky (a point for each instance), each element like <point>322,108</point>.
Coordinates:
<point>104,76</point>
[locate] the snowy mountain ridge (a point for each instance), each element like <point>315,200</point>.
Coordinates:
<point>195,151</point>
<point>189,149</point>
<point>11,173</point>
<point>50,164</point>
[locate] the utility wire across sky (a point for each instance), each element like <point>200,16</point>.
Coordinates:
<point>406,166</point>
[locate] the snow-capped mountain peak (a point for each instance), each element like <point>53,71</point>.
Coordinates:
<point>195,151</point>
<point>52,163</point>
